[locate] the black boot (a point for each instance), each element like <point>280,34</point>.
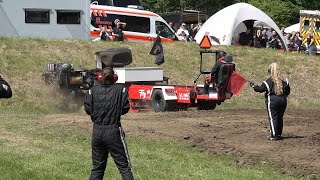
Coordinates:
<point>206,88</point>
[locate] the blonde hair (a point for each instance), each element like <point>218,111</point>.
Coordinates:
<point>276,78</point>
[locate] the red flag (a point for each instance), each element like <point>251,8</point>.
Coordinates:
<point>237,83</point>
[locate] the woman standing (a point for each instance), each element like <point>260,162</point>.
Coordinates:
<point>276,92</point>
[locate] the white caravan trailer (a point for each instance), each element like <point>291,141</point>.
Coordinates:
<point>58,19</point>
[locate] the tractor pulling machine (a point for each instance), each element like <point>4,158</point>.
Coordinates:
<point>148,88</point>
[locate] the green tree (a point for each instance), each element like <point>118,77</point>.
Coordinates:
<point>161,5</point>
<point>307,4</point>
<point>283,12</point>
<point>208,6</point>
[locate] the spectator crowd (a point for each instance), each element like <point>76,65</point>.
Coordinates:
<point>187,33</point>
<point>114,34</point>
<point>259,38</point>
<point>268,38</point>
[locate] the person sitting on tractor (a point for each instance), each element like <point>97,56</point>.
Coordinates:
<point>215,70</point>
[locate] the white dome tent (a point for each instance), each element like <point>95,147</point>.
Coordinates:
<point>241,28</point>
<point>223,24</point>
<point>292,28</point>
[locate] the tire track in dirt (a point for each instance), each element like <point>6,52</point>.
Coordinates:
<point>238,132</point>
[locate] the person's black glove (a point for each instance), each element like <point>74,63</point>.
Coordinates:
<point>251,83</point>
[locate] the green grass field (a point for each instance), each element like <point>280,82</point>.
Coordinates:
<point>33,149</point>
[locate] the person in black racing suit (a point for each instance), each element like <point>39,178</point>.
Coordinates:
<point>276,91</point>
<point>5,89</point>
<point>105,103</point>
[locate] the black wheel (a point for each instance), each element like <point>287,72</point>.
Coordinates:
<point>211,105</point>
<point>48,78</point>
<point>159,104</point>
<point>207,105</point>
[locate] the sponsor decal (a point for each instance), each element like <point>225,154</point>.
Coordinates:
<point>184,96</point>
<point>144,94</point>
<point>99,21</point>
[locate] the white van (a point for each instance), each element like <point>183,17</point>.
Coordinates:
<point>140,25</point>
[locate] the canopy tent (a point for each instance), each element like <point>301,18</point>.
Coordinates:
<point>241,28</point>
<point>222,25</point>
<point>292,28</point>
<point>259,24</point>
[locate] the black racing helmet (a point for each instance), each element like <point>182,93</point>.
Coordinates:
<point>221,54</point>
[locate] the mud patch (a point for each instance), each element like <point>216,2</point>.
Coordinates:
<point>242,133</point>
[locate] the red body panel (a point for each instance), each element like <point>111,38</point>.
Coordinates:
<point>183,94</point>
<point>140,92</point>
<point>140,96</point>
<point>144,92</point>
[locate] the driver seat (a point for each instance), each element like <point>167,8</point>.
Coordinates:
<point>224,76</point>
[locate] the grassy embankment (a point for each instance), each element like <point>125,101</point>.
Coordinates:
<point>22,62</point>
<point>33,149</point>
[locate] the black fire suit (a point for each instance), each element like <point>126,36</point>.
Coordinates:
<point>5,90</point>
<point>214,74</point>
<point>105,104</point>
<point>216,68</point>
<point>276,104</point>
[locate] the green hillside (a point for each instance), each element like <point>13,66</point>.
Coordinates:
<point>22,62</point>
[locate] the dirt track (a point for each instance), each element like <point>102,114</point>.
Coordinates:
<point>239,132</point>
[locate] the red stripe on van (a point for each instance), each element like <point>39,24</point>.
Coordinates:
<point>134,37</point>
<point>126,12</point>
<point>100,13</point>
<point>138,38</point>
<point>94,12</point>
<point>144,38</point>
<point>167,40</point>
<point>94,33</point>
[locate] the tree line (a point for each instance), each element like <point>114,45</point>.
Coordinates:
<point>283,12</point>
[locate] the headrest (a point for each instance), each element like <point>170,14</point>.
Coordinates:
<point>228,59</point>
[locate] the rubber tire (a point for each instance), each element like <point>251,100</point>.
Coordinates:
<point>115,57</point>
<point>159,104</point>
<point>47,78</point>
<point>207,105</point>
